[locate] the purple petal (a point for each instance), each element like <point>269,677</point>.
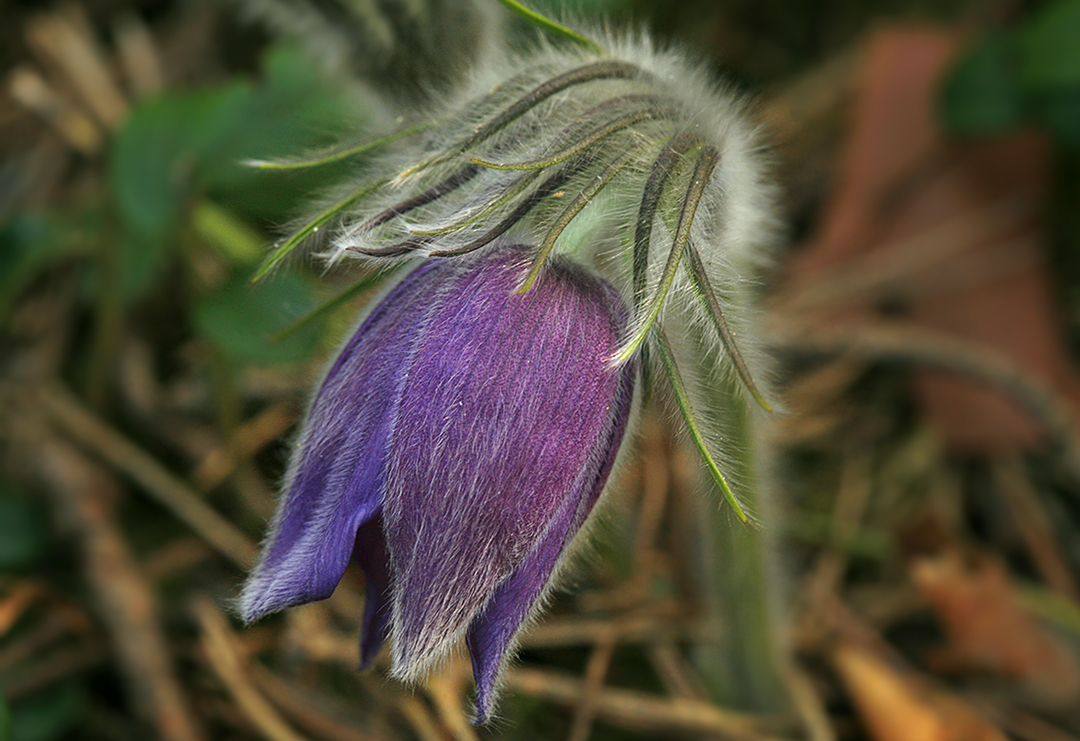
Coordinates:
<point>336,479</point>
<point>508,398</point>
<point>492,633</point>
<point>370,553</point>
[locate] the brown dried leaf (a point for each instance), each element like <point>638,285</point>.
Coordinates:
<point>897,708</point>
<point>989,629</point>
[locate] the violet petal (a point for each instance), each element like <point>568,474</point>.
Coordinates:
<point>337,475</point>
<point>506,399</point>
<point>492,633</point>
<point>370,552</point>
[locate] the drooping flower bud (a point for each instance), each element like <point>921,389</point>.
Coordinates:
<point>460,439</point>
<point>575,213</point>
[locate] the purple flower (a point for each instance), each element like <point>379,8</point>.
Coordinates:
<point>458,443</point>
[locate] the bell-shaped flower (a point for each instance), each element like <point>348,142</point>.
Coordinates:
<point>458,443</point>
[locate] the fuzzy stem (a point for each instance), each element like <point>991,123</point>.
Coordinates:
<point>741,655</point>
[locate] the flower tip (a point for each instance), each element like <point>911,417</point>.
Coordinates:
<point>486,694</point>
<point>252,603</point>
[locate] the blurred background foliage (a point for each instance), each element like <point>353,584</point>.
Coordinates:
<point>147,386</point>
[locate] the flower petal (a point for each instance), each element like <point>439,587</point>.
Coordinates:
<point>337,475</point>
<point>492,633</point>
<point>370,552</point>
<point>507,397</point>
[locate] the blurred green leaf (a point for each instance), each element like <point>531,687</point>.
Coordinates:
<point>47,714</point>
<point>142,258</point>
<point>23,532</point>
<point>183,146</point>
<point>981,95</point>
<point>1060,111</point>
<point>5,720</point>
<point>294,110</point>
<point>1049,46</point>
<point>29,243</point>
<point>228,233</point>
<point>240,319</point>
<point>156,154</point>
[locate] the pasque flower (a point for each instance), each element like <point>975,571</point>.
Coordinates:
<point>460,440</point>
<point>570,218</point>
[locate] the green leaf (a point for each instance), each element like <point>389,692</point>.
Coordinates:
<point>1060,111</point>
<point>47,714</point>
<point>1049,51</point>
<point>240,319</point>
<point>156,154</point>
<point>5,720</point>
<point>23,532</point>
<point>294,109</point>
<point>29,243</point>
<point>176,149</point>
<point>981,95</point>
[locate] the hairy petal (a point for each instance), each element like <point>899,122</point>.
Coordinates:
<point>370,552</point>
<point>492,633</point>
<point>337,475</point>
<point>507,398</point>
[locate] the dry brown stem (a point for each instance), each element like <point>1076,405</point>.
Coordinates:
<point>84,493</point>
<point>220,646</point>
<point>639,711</point>
<point>90,431</point>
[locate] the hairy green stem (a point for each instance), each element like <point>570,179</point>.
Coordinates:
<point>741,654</point>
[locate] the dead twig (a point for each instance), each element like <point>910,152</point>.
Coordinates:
<point>660,621</point>
<point>304,708</point>
<point>48,671</point>
<point>446,690</point>
<point>639,711</point>
<point>68,413</point>
<point>903,344</point>
<point>220,646</point>
<point>83,492</point>
<point>595,672</point>
<point>1034,528</point>
<point>249,439</point>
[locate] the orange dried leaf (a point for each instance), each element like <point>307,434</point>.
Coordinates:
<point>989,628</point>
<point>896,708</point>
